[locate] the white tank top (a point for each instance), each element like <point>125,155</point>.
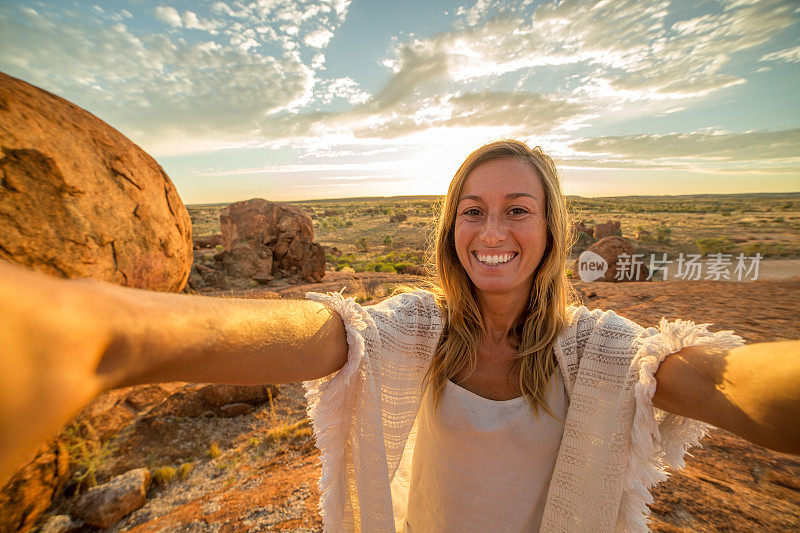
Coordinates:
<point>483,465</point>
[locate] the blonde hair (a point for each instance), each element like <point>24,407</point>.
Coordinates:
<point>545,314</point>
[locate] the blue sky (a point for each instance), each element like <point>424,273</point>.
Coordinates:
<point>290,100</point>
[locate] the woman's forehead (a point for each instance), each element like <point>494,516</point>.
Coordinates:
<point>507,178</point>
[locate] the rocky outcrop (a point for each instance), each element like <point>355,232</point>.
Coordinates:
<point>612,228</point>
<point>581,227</point>
<point>31,490</point>
<point>615,261</point>
<point>104,505</point>
<point>272,239</point>
<point>262,241</point>
<point>78,199</point>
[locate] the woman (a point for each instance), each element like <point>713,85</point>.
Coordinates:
<point>488,402</point>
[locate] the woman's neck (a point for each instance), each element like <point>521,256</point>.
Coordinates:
<point>500,312</point>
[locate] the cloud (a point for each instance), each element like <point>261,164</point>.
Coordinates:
<point>319,38</point>
<point>169,15</point>
<point>777,146</point>
<point>192,21</point>
<point>524,113</point>
<point>789,55</point>
<point>258,73</point>
<point>630,50</point>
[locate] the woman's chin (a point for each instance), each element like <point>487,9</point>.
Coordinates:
<point>499,287</point>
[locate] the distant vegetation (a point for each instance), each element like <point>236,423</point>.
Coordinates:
<point>390,234</point>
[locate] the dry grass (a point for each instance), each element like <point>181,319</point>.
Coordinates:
<point>214,451</point>
<point>164,475</point>
<point>185,469</point>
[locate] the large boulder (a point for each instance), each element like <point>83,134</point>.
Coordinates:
<point>265,240</point>
<point>610,259</point>
<point>78,199</point>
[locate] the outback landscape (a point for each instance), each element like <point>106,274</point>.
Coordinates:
<point>385,234</point>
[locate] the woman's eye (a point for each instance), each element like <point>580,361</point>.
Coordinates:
<point>472,212</point>
<point>516,211</point>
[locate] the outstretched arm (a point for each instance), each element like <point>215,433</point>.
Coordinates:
<point>752,391</point>
<point>66,341</point>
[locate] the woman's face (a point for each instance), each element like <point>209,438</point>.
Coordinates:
<point>500,226</point>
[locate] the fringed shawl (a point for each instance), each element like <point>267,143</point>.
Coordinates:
<point>615,446</point>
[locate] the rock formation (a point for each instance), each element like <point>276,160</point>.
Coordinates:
<point>619,255</point>
<point>78,199</point>
<point>273,239</point>
<point>261,241</point>
<point>607,229</point>
<point>581,227</point>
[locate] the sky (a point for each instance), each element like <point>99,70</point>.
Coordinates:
<point>308,99</point>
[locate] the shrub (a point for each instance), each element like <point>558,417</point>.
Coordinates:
<point>185,469</point>
<point>362,244</point>
<point>663,234</point>
<point>713,245</point>
<point>214,451</point>
<point>86,455</point>
<point>164,475</point>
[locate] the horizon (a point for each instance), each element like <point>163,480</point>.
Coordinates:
<point>320,99</point>
<point>568,196</point>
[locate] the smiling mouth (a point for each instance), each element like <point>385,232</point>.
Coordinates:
<point>494,259</point>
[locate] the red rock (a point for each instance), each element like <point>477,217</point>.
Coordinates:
<point>613,249</point>
<point>144,397</point>
<point>79,200</point>
<point>106,504</point>
<point>580,227</point>
<point>31,490</point>
<point>416,270</point>
<point>607,229</point>
<point>210,241</point>
<point>269,239</point>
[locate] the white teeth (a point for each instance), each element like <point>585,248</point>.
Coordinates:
<point>494,259</point>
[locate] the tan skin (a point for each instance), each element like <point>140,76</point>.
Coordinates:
<point>66,341</point>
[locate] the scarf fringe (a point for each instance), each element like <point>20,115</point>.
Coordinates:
<point>329,400</point>
<point>659,439</point>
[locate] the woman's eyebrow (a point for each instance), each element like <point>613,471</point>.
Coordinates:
<point>519,194</point>
<point>470,197</point>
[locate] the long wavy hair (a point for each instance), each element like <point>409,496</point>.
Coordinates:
<point>545,314</point>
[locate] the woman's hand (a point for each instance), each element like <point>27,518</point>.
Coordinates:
<point>66,341</point>
<point>752,391</point>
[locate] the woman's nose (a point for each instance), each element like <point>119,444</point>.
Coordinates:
<point>493,230</point>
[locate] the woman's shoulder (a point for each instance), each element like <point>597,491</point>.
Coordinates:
<point>411,305</point>
<point>582,318</point>
<point>600,330</point>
